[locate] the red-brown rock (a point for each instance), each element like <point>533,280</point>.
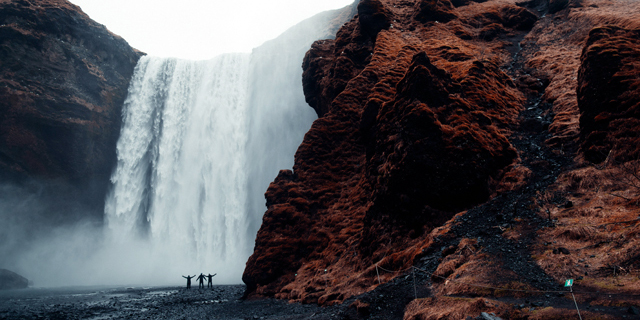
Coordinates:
<point>413,127</point>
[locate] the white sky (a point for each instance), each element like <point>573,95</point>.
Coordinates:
<point>201,29</point>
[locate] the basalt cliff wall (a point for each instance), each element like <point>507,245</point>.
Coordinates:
<point>464,139</point>
<point>63,81</point>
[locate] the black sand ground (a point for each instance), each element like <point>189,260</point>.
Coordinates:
<point>221,302</point>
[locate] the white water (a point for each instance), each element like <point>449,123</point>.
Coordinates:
<point>181,163</point>
<point>200,143</point>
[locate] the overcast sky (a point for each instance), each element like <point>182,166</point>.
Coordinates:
<point>201,29</point>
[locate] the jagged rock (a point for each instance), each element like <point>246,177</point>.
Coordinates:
<point>11,280</point>
<point>418,125</point>
<point>402,143</point>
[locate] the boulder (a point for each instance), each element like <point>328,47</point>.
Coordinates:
<point>11,280</point>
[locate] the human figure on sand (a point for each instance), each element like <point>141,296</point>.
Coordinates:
<point>210,276</point>
<point>201,279</point>
<point>189,280</point>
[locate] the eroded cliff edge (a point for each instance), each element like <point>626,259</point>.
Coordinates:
<point>63,81</point>
<point>462,138</point>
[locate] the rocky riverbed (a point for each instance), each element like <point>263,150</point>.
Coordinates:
<point>221,302</point>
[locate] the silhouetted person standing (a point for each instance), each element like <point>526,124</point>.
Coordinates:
<point>201,279</point>
<point>188,281</point>
<point>210,276</point>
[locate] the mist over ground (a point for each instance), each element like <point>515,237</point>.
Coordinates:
<point>53,238</point>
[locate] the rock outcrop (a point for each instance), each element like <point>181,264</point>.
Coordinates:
<point>456,139</point>
<point>63,80</point>
<point>10,280</point>
<point>413,128</point>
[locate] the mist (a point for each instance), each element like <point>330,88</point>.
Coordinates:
<point>54,240</point>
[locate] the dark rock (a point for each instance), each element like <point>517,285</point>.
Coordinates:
<point>518,18</point>
<point>491,31</point>
<point>608,92</point>
<point>634,311</point>
<point>460,3</point>
<point>563,250</point>
<point>11,280</point>
<point>557,5</point>
<point>374,17</point>
<point>435,10</point>
<point>63,80</point>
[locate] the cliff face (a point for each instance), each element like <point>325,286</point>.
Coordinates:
<point>63,80</point>
<point>448,136</point>
<point>413,128</point>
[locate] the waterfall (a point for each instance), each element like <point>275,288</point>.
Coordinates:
<point>200,143</point>
<point>181,161</point>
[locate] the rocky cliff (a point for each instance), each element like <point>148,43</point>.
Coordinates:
<point>462,148</point>
<point>63,80</point>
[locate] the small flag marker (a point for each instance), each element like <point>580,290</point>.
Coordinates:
<point>568,283</point>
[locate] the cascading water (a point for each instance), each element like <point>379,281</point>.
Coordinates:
<point>181,162</point>
<point>200,143</point>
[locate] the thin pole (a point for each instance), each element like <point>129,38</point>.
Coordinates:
<point>415,291</point>
<point>574,301</point>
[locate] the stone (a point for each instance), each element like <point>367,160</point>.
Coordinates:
<point>11,280</point>
<point>486,316</point>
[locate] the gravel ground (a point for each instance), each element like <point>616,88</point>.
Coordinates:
<point>221,302</point>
